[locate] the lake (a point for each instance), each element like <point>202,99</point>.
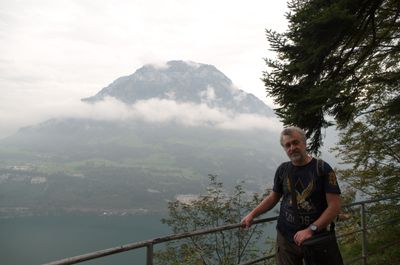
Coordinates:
<point>41,239</point>
<point>37,240</point>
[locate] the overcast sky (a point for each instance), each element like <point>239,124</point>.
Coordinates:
<point>55,52</point>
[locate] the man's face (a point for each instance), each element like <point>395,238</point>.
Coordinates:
<point>295,148</point>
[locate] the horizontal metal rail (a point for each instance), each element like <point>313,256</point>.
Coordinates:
<point>377,251</point>
<point>149,244</point>
<point>258,260</point>
<point>349,205</point>
<point>146,243</point>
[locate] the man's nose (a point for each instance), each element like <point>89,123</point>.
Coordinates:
<point>291,147</point>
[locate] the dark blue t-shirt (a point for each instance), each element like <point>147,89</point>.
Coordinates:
<point>312,182</point>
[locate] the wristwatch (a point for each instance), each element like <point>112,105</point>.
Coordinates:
<point>314,228</point>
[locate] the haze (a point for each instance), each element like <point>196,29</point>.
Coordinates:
<point>56,52</point>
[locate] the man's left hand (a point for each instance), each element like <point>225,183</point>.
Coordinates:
<point>302,235</point>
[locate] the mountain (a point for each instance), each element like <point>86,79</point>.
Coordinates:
<point>183,82</point>
<point>136,164</point>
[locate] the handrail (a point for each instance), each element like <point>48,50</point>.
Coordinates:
<point>146,243</point>
<point>371,201</point>
<point>149,244</point>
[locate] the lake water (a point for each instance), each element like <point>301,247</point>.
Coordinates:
<point>37,240</point>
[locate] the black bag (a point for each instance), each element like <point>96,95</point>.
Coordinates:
<point>322,249</point>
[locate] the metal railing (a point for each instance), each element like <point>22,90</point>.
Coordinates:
<point>149,244</point>
<point>364,228</point>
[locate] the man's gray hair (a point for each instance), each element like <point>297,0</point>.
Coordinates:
<point>290,130</point>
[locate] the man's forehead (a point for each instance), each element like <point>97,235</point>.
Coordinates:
<point>291,137</point>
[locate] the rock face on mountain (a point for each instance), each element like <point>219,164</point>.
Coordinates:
<point>132,164</point>
<point>183,82</point>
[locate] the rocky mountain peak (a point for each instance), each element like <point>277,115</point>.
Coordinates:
<point>182,81</point>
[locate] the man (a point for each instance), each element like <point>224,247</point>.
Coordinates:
<point>318,198</point>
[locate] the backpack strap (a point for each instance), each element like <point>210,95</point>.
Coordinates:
<point>320,167</point>
<point>320,173</point>
<point>286,170</point>
<point>293,194</point>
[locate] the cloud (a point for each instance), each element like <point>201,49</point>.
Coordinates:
<point>158,111</point>
<point>164,111</point>
<point>56,52</point>
<point>152,111</point>
<point>162,65</point>
<point>208,95</point>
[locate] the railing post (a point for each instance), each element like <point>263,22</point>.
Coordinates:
<point>149,254</point>
<point>364,234</point>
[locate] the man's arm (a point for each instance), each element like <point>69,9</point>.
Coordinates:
<point>324,220</point>
<point>331,212</point>
<point>267,204</point>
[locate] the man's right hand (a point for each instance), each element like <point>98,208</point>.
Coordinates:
<point>265,205</point>
<point>247,221</point>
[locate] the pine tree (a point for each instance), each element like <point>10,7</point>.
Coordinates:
<point>338,64</point>
<point>335,60</point>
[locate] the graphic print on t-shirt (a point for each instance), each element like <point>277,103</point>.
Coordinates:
<point>302,193</point>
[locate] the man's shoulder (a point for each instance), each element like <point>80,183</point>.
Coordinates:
<point>283,169</point>
<point>284,166</point>
<point>322,166</point>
